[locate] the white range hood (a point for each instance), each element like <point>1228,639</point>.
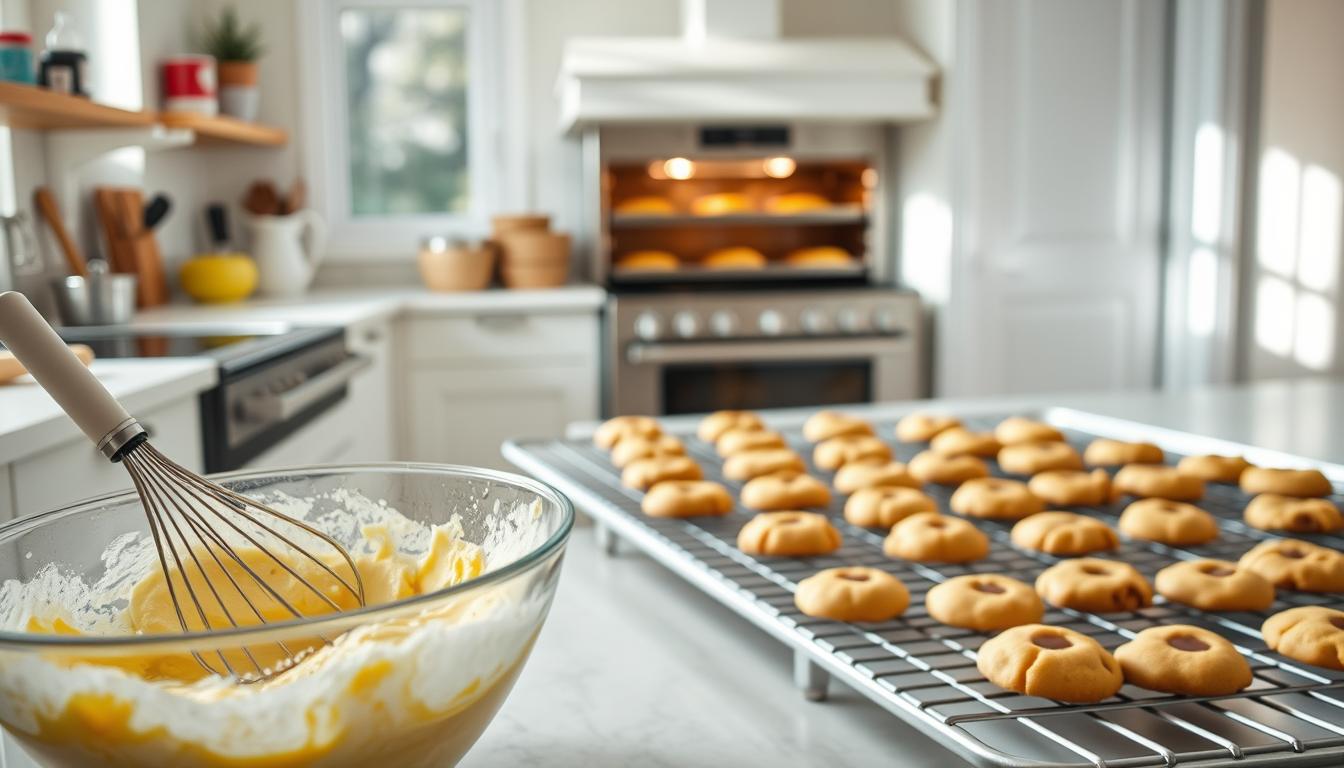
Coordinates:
<point>730,64</point>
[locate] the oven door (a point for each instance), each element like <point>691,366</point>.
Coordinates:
<point>668,378</point>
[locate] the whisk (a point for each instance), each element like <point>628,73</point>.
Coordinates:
<point>196,525</point>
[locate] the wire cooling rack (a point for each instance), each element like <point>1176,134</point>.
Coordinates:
<point>924,672</point>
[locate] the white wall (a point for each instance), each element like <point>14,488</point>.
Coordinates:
<point>1295,322</point>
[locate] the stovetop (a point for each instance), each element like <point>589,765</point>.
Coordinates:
<point>235,347</point>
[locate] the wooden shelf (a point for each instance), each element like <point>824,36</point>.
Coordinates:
<point>219,130</point>
<point>27,106</point>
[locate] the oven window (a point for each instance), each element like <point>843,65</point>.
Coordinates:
<point>705,387</point>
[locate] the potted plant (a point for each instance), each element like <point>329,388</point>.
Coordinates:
<point>236,47</point>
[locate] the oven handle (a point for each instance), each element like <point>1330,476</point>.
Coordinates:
<point>792,349</point>
<point>286,405</point>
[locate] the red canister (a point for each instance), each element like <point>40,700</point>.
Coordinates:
<point>189,84</point>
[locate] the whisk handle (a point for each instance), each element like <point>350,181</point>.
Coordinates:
<point>84,399</point>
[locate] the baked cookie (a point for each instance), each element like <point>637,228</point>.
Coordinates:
<point>788,534</point>
<point>612,431</point>
<point>784,490</point>
<point>1015,429</point>
<point>1031,458</point>
<point>1272,512</point>
<point>735,441</point>
<point>852,593</point>
<point>1157,481</point>
<point>1113,453</point>
<point>715,424</point>
<point>824,425</point>
<point>921,427</point>
<point>870,474</point>
<point>995,497</point>
<point>1064,534</point>
<point>1072,488</point>
<point>641,474</point>
<point>885,506</point>
<point>1214,585</point>
<point>1214,469</point>
<point>1168,522</point>
<point>749,464</point>
<point>930,467</point>
<point>985,602</point>
<point>1092,584</point>
<point>1311,634</point>
<point>1296,564</point>
<point>686,498</point>
<point>1050,662</point>
<point>928,537</point>
<point>1303,483</point>
<point>835,452</point>
<point>1179,658</point>
<point>959,441</point>
<point>631,448</point>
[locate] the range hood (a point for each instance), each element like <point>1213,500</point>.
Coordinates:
<point>731,64</point>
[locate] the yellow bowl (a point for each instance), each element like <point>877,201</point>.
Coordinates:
<point>219,279</point>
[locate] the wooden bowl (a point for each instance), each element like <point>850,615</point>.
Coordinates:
<point>451,267</point>
<point>524,276</point>
<point>534,247</point>
<point>513,222</point>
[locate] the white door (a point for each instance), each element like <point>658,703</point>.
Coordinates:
<point>1058,110</point>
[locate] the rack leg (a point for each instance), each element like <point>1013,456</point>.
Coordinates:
<point>809,678</point>
<point>606,540</point>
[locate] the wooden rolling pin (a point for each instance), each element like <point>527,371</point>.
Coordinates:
<point>11,368</point>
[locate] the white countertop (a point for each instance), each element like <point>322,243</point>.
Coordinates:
<point>636,667</point>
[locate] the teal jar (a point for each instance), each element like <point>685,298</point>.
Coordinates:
<point>16,57</point>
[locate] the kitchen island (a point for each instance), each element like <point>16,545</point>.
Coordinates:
<point>638,667</point>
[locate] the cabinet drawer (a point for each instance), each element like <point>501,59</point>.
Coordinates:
<point>520,337</point>
<point>76,470</point>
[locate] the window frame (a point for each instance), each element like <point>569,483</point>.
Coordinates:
<point>324,130</point>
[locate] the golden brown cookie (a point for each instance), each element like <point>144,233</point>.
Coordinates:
<point>1093,584</point>
<point>686,498</point>
<point>735,441</point>
<point>1215,585</point>
<point>1015,429</point>
<point>928,537</point>
<point>1214,469</point>
<point>1113,453</point>
<point>1072,488</point>
<point>631,448</point>
<point>985,602</point>
<point>922,427</point>
<point>612,431</point>
<point>1168,522</point>
<point>852,593</point>
<point>833,453</point>
<point>1310,634</point>
<point>1050,662</point>
<point>1031,458</point>
<point>788,534</point>
<point>749,464</point>
<point>885,506</point>
<point>784,490</point>
<point>641,474</point>
<point>930,467</point>
<point>1295,564</point>
<point>995,497</point>
<point>1064,534</point>
<point>1303,483</point>
<point>1148,481</point>
<point>1179,658</point>
<point>824,425</point>
<point>715,424</point>
<point>1272,512</point>
<point>869,474</point>
<point>959,441</point>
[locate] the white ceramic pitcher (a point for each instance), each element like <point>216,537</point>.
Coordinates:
<point>287,250</point>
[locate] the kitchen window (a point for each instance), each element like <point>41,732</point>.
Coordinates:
<point>402,104</point>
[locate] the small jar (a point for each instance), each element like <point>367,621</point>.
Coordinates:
<point>16,57</point>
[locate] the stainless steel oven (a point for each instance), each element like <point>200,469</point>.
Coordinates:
<point>672,353</point>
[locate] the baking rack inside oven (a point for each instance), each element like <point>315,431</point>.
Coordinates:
<point>925,673</point>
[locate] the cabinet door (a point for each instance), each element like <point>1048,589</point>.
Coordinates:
<point>370,396</point>
<point>462,416</point>
<point>6,503</point>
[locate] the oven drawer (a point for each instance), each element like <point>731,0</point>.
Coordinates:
<point>518,338</point>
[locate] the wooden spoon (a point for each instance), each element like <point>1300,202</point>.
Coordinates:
<point>46,204</point>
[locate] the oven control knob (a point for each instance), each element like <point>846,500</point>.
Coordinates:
<point>813,321</point>
<point>723,323</point>
<point>849,320</point>
<point>685,324</point>
<point>886,321</point>
<point>647,326</point>
<point>770,322</point>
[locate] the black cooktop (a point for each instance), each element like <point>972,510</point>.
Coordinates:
<point>234,347</point>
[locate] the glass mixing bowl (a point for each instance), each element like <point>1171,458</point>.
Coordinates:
<point>408,683</point>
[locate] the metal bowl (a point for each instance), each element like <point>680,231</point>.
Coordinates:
<point>99,299</point>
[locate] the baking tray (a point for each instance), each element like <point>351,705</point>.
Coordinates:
<point>924,672</point>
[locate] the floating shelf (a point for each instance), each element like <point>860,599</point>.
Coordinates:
<point>828,216</point>
<point>219,130</point>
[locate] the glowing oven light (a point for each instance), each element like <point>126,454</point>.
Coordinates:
<point>678,168</point>
<point>780,167</point>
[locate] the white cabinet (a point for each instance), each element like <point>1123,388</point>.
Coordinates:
<point>6,501</point>
<point>370,396</point>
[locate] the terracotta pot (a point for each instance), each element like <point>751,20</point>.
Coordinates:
<point>452,267</point>
<point>237,73</point>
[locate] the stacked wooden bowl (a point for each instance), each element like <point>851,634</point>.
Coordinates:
<point>531,255</point>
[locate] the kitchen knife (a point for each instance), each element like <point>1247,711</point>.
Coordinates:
<point>156,210</point>
<point>217,220</point>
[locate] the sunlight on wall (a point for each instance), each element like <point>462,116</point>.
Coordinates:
<point>1314,338</point>
<point>1201,306</point>
<point>1274,315</point>
<point>926,245</point>
<point>1318,242</point>
<point>1206,212</point>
